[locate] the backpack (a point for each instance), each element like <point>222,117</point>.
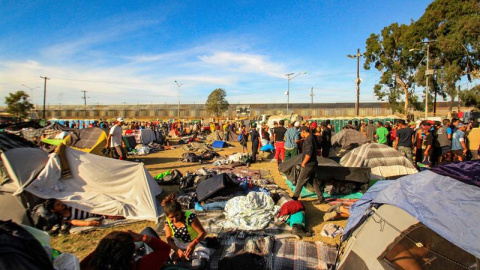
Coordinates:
<point>20,250</point>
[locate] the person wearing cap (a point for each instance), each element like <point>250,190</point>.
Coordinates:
<point>292,138</point>
<point>114,140</point>
<point>459,147</point>
<point>427,145</point>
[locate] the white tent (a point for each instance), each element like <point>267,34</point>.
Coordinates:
<point>99,185</point>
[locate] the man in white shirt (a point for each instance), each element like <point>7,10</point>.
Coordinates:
<point>114,140</point>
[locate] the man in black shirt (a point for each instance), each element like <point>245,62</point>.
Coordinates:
<point>255,137</point>
<point>405,140</point>
<point>309,165</point>
<point>279,141</point>
<point>326,140</point>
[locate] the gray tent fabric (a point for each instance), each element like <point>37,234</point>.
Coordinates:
<point>20,166</point>
<point>9,141</point>
<point>383,160</point>
<point>445,205</point>
<point>348,137</point>
<point>85,138</point>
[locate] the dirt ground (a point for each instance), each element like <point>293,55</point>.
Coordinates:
<point>82,244</point>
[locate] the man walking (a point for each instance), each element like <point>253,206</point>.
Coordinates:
<point>308,166</point>
<point>292,137</point>
<point>279,141</point>
<point>255,137</point>
<point>114,140</point>
<point>404,140</point>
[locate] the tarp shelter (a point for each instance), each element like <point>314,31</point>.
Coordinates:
<point>327,170</point>
<point>393,217</point>
<point>384,161</point>
<point>99,185</point>
<point>348,138</point>
<point>144,136</point>
<point>19,165</point>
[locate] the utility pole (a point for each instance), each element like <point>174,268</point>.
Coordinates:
<point>178,108</point>
<point>44,94</point>
<point>458,99</point>
<point>358,81</point>
<point>85,103</point>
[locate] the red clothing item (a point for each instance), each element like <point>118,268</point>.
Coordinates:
<point>154,260</point>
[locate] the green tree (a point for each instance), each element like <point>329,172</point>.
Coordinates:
<point>389,53</point>
<point>18,105</point>
<point>471,97</point>
<point>455,26</point>
<point>216,102</point>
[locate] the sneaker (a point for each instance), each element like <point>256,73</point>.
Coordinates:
<point>329,216</point>
<point>318,202</point>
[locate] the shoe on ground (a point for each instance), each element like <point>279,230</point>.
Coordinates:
<point>329,216</point>
<point>334,208</point>
<point>318,202</point>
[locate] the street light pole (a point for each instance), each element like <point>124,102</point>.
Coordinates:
<point>427,73</point>
<point>288,86</point>
<point>31,90</point>
<point>178,108</point>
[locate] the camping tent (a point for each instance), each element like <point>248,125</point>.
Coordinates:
<point>19,165</point>
<point>383,160</point>
<point>89,140</point>
<point>99,185</point>
<point>390,221</point>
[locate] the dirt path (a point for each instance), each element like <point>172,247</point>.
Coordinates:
<point>82,244</point>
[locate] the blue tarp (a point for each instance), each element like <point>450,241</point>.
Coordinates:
<point>445,205</point>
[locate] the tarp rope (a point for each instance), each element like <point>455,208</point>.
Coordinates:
<point>418,244</point>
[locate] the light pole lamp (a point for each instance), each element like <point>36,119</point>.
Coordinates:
<point>31,89</point>
<point>427,73</point>
<point>289,78</point>
<point>358,80</point>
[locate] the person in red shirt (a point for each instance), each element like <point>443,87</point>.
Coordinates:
<point>117,249</point>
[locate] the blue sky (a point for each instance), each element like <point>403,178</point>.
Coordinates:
<point>133,51</point>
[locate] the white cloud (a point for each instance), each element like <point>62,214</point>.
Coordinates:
<point>244,62</point>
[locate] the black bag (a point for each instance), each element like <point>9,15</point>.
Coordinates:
<point>187,181</point>
<point>20,250</point>
<point>214,185</point>
<point>106,152</point>
<point>44,219</point>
